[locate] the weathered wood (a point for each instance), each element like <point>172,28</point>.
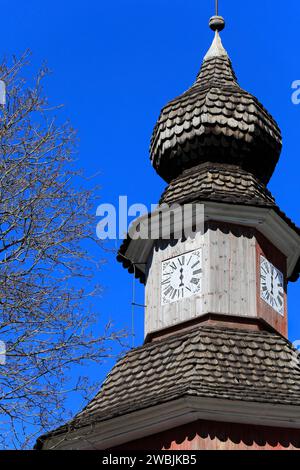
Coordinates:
<point>228,283</point>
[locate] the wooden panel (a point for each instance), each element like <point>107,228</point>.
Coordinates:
<point>232,274</point>
<point>229,278</point>
<point>208,435</point>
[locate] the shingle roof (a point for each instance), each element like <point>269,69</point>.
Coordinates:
<point>215,120</point>
<point>233,364</point>
<point>218,182</point>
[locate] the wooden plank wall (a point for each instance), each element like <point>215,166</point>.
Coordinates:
<point>229,279</point>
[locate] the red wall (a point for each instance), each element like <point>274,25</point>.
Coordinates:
<point>270,252</point>
<point>207,435</point>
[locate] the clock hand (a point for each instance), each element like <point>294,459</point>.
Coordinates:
<point>181,278</point>
<point>272,283</point>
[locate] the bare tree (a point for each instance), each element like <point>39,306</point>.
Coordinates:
<point>47,224</point>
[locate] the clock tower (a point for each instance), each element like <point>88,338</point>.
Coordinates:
<point>216,370</point>
<point>216,145</point>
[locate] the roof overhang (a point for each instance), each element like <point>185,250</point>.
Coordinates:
<point>266,220</point>
<point>156,419</point>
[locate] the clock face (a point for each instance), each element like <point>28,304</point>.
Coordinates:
<point>271,285</point>
<point>181,277</point>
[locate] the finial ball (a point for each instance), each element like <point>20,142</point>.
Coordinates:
<point>217,23</point>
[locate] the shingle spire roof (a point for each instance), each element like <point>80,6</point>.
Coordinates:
<point>217,121</point>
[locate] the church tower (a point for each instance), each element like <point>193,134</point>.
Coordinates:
<point>216,370</point>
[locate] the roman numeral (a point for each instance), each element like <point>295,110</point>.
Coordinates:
<point>169,289</point>
<point>194,265</point>
<point>167,274</point>
<point>264,270</point>
<point>181,262</point>
<point>198,271</point>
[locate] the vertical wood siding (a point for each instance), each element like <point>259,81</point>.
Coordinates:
<point>228,284</point>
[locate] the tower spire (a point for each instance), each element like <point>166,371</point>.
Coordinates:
<point>217,24</point>
<point>215,120</point>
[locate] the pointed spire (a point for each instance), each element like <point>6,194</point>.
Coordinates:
<point>217,24</point>
<point>216,66</point>
<point>216,49</point>
<point>215,120</point>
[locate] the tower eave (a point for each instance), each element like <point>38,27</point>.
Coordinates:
<point>268,220</point>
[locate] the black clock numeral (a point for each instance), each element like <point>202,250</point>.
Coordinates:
<point>181,261</point>
<point>264,270</point>
<point>174,294</point>
<point>169,289</point>
<point>198,271</point>
<point>196,264</point>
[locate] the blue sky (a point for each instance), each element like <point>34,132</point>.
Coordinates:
<point>115,64</point>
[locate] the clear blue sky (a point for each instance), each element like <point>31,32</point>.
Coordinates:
<point>116,63</point>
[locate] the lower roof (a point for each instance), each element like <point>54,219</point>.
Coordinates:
<point>206,361</point>
<point>218,182</point>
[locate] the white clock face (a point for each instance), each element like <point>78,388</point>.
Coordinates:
<point>271,285</point>
<point>181,277</point>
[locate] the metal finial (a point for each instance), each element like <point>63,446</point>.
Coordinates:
<point>217,23</point>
